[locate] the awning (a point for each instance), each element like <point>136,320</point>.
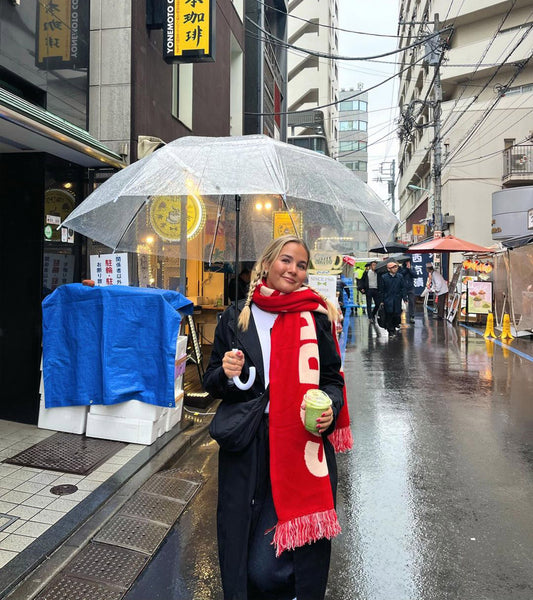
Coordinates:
<point>25,127</point>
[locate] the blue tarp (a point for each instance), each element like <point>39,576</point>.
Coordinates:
<point>104,345</point>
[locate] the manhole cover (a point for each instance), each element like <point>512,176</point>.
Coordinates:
<point>63,490</point>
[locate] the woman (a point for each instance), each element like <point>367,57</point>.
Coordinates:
<point>276,512</point>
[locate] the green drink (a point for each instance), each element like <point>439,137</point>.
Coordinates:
<point>316,402</point>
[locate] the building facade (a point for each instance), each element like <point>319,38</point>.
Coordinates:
<point>312,74</point>
<point>353,131</point>
<point>466,99</point>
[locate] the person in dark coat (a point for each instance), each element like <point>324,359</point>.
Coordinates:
<point>409,275</point>
<point>248,517</point>
<point>243,282</point>
<point>391,292</point>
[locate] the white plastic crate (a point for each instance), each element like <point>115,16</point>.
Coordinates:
<point>69,419</point>
<point>132,409</point>
<point>173,415</point>
<point>133,431</point>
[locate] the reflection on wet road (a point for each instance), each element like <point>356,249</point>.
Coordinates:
<point>435,500</point>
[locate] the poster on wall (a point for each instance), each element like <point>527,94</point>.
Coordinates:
<point>479,297</point>
<point>110,269</point>
<point>58,269</point>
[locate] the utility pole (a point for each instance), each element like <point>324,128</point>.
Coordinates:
<point>435,61</point>
<point>387,174</point>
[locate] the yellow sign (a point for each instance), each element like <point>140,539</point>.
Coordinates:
<point>62,34</point>
<point>189,30</point>
<point>165,216</point>
<point>419,229</point>
<point>287,223</point>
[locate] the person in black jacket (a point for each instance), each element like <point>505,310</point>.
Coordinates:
<point>409,274</point>
<point>251,494</point>
<point>391,292</point>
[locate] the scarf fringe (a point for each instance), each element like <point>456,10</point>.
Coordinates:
<point>341,439</point>
<point>306,530</point>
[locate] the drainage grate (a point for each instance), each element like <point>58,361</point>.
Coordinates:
<point>172,487</point>
<point>70,588</point>
<point>64,490</point>
<point>107,564</point>
<point>6,520</point>
<point>136,534</point>
<point>67,452</point>
<point>154,508</point>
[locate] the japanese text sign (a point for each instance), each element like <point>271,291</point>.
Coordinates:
<point>62,34</point>
<point>110,269</point>
<point>189,30</point>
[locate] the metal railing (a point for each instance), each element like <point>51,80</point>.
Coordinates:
<point>518,160</point>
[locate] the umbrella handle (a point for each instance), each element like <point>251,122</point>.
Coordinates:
<point>241,384</point>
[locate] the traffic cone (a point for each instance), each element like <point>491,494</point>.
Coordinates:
<point>506,329</point>
<point>489,329</point>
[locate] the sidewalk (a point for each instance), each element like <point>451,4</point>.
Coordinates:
<point>40,531</point>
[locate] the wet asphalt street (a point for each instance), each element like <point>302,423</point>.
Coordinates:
<point>435,500</point>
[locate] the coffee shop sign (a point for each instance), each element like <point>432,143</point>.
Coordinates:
<point>325,262</point>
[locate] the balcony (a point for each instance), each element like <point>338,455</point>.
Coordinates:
<point>518,166</point>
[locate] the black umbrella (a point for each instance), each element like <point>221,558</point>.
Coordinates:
<point>389,247</point>
<point>381,267</point>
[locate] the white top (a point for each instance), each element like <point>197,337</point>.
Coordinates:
<point>372,279</point>
<point>438,284</point>
<point>264,321</point>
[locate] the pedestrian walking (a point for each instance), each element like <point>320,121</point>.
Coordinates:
<point>368,285</point>
<point>409,274</point>
<point>391,292</point>
<point>276,496</point>
<point>437,284</point>
<point>243,282</point>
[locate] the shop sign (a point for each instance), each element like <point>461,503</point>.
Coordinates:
<point>165,216</point>
<point>418,263</point>
<point>110,269</point>
<point>419,229</point>
<point>189,31</point>
<point>325,262</point>
<point>325,285</point>
<point>287,223</point>
<point>479,295</point>
<point>62,34</point>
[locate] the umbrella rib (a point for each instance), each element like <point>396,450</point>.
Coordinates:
<point>129,225</point>
<point>375,232</point>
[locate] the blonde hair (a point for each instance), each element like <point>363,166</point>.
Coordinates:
<point>260,272</point>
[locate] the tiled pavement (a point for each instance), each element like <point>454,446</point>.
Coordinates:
<point>27,507</point>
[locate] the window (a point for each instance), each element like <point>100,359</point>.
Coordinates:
<point>353,125</point>
<point>351,145</point>
<point>182,90</point>
<point>351,105</point>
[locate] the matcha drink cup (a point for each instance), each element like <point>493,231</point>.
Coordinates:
<point>316,402</point>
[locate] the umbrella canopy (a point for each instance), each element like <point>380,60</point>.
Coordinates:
<point>448,243</point>
<point>389,247</point>
<point>190,190</point>
<point>381,267</point>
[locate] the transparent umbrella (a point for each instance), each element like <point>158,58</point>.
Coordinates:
<point>271,186</point>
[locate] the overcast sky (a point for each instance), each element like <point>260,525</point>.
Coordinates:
<point>377,17</point>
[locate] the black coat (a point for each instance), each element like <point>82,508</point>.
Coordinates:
<point>391,292</point>
<point>239,475</point>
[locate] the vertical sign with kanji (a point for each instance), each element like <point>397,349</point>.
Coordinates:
<point>418,263</point>
<point>189,31</point>
<point>62,34</point>
<point>110,269</point>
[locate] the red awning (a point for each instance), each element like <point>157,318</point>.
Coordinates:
<point>448,243</point>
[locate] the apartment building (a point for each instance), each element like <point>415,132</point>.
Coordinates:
<point>312,75</point>
<point>353,131</point>
<point>473,131</point>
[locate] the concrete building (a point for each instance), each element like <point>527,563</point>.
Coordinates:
<point>483,61</point>
<point>353,131</point>
<point>312,76</point>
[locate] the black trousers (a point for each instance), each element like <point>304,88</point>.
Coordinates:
<point>392,320</point>
<point>300,573</point>
<point>372,295</point>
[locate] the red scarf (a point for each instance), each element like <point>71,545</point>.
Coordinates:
<point>301,487</point>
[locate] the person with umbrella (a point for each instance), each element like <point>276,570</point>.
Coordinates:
<point>276,498</point>
<point>391,291</point>
<point>437,284</point>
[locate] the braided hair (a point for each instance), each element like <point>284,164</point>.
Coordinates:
<point>260,272</point>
